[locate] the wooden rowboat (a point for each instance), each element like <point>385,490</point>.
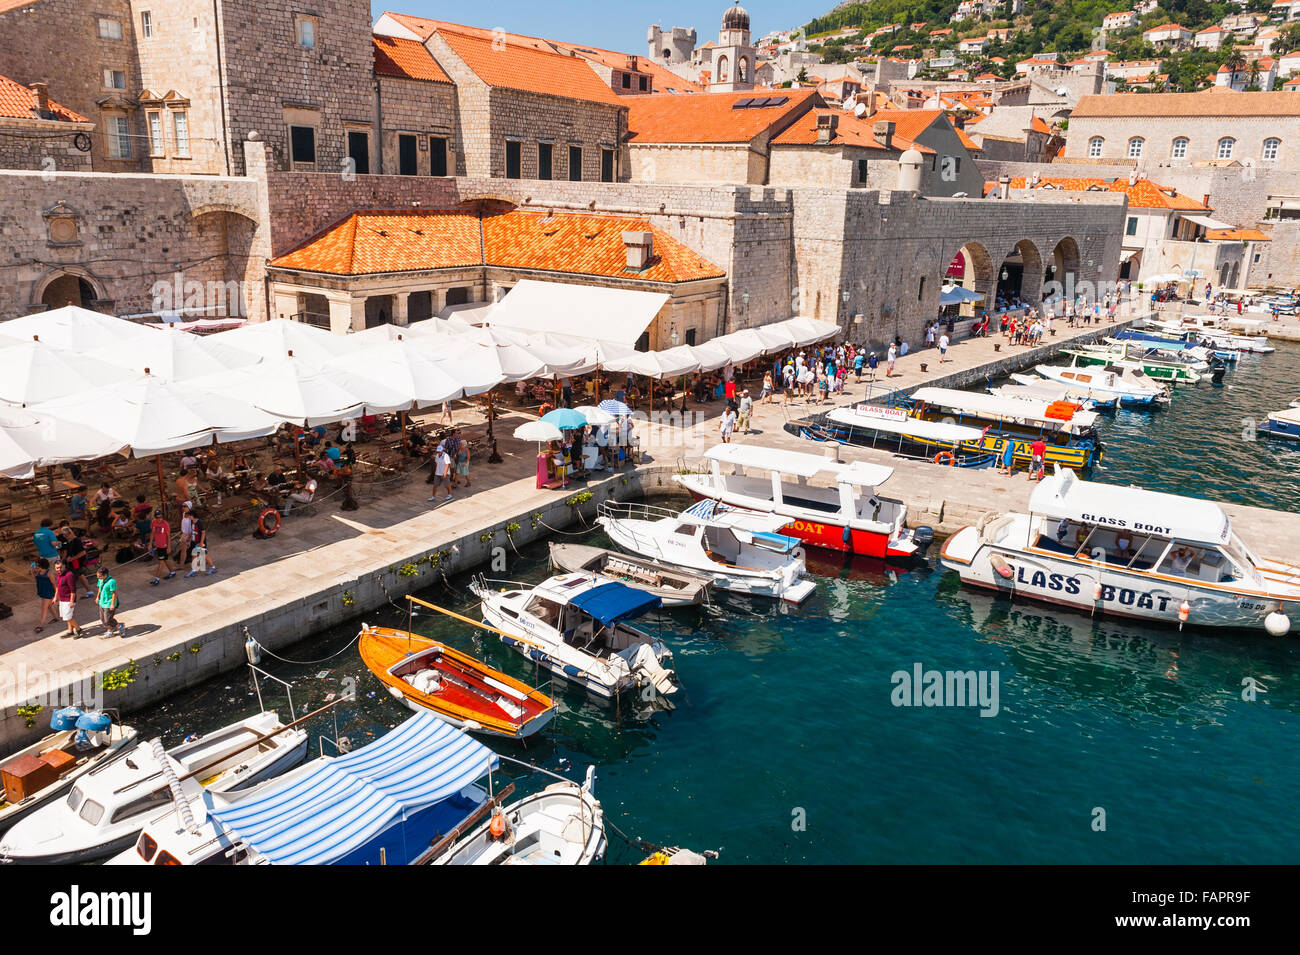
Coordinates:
<point>427,675</point>
<point>675,587</point>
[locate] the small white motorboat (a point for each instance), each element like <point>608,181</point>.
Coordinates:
<point>1123,384</point>
<point>743,551</point>
<point>1028,388</point>
<point>107,807</point>
<point>676,588</point>
<point>576,626</point>
<point>561,825</point>
<point>80,742</point>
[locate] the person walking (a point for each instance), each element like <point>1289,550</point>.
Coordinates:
<point>452,446</point>
<point>442,473</point>
<point>107,600</point>
<point>40,568</point>
<point>727,425</point>
<point>462,460</point>
<point>1008,457</point>
<point>1038,457</point>
<point>187,535</point>
<point>859,360</point>
<point>890,359</point>
<point>199,549</point>
<point>743,411</point>
<point>65,592</point>
<point>46,541</point>
<point>765,396</point>
<point>160,539</point>
<point>943,348</point>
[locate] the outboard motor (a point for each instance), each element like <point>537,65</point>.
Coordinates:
<point>92,729</point>
<point>65,719</point>
<point>923,536</point>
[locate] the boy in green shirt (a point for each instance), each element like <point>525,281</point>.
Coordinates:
<point>107,603</point>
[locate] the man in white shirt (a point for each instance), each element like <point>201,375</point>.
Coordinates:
<point>890,359</point>
<point>943,348</point>
<point>302,497</point>
<point>442,472</point>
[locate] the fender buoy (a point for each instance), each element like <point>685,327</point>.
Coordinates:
<point>939,458</point>
<point>1184,611</point>
<point>1001,566</point>
<point>1096,591</point>
<point>268,522</point>
<point>497,827</point>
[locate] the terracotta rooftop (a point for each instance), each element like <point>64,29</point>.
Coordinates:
<point>408,59</point>
<point>527,68</point>
<point>367,243</point>
<point>18,102</point>
<point>1144,194</point>
<point>713,117</point>
<point>1237,235</point>
<point>849,131</point>
<point>1216,102</point>
<point>663,80</point>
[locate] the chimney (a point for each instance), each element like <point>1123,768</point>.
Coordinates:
<point>640,248</point>
<point>827,123</point>
<point>1004,184</point>
<point>41,97</point>
<point>883,130</point>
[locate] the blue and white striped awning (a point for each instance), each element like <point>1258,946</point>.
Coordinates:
<point>321,817</point>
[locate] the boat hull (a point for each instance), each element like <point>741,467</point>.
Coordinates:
<point>1091,587</point>
<point>580,558</point>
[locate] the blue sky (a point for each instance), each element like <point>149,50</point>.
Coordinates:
<point>618,26</point>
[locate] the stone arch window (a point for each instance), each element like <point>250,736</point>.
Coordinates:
<point>668,54</point>
<point>742,70</point>
<point>1272,146</point>
<point>1179,148</point>
<point>1226,147</point>
<point>724,73</point>
<point>1135,147</point>
<point>1094,147</point>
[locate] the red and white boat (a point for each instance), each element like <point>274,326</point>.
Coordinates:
<point>848,516</point>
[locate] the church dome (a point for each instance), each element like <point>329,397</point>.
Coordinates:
<point>736,18</point>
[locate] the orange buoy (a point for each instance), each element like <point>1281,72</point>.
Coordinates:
<point>948,455</point>
<point>1184,611</point>
<point>268,522</point>
<point>497,827</point>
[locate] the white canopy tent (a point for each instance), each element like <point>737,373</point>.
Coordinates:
<point>620,315</point>
<point>32,372</point>
<point>296,391</point>
<point>957,295</point>
<point>29,440</point>
<point>76,328</point>
<point>401,366</point>
<point>175,356</point>
<point>280,337</point>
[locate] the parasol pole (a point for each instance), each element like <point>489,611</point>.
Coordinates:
<point>162,489</point>
<point>405,440</point>
<point>493,456</point>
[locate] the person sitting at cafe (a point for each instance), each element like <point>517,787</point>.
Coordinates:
<point>217,478</point>
<point>304,494</point>
<point>186,486</point>
<point>277,478</point>
<point>77,504</point>
<point>122,529</point>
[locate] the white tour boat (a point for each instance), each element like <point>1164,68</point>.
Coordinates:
<point>1093,380</point>
<point>743,551</point>
<point>107,807</point>
<point>576,626</point>
<point>851,516</point>
<point>1128,552</point>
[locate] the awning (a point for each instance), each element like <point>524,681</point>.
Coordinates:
<point>1208,222</point>
<point>612,602</point>
<point>587,311</point>
<point>1126,254</point>
<point>955,295</point>
<point>320,817</point>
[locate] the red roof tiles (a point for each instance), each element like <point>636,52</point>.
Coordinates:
<point>711,118</point>
<point>18,102</point>
<point>408,59</point>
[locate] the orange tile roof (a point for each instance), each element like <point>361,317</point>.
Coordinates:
<point>7,5</point>
<point>424,28</point>
<point>1221,102</point>
<point>507,65</point>
<point>367,243</point>
<point>966,141</point>
<point>849,131</point>
<point>662,80</point>
<point>1237,235</point>
<point>408,59</point>
<point>710,118</point>
<point>1038,126</point>
<point>1144,194</point>
<point>18,102</point>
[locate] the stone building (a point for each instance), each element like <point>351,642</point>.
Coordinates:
<point>38,133</point>
<point>1213,126</point>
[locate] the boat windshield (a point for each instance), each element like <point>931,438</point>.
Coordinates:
<point>92,812</point>
<point>547,611</point>
<point>74,798</point>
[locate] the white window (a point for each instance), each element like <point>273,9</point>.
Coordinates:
<point>307,32</point>
<point>1271,146</point>
<point>1135,147</point>
<point>1094,147</point>
<point>181,125</point>
<point>1226,145</point>
<point>110,29</point>
<point>114,79</point>
<point>155,134</point>
<point>1180,148</point>
<point>146,24</point>
<point>119,137</point>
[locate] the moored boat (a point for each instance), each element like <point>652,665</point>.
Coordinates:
<point>45,770</point>
<point>851,516</point>
<point>673,586</point>
<point>578,628</point>
<point>1140,361</point>
<point>1282,424</point>
<point>896,431</point>
<point>1128,552</point>
<point>467,693</point>
<point>742,551</point>
<point>1129,389</point>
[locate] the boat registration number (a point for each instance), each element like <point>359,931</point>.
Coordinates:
<point>1120,522</point>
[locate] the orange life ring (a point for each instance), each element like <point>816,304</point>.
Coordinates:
<point>271,517</point>
<point>545,410</point>
<point>952,459</point>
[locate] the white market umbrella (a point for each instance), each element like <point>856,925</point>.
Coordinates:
<point>476,367</point>
<point>280,336</point>
<point>538,431</point>
<point>742,346</point>
<point>806,331</point>
<point>400,366</point>
<point>148,415</point>
<point>29,441</point>
<point>33,372</point>
<point>595,415</point>
<point>296,391</point>
<point>671,363</point>
<point>76,329</point>
<point>711,355</point>
<point>176,356</point>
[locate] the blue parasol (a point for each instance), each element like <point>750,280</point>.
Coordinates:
<point>566,419</point>
<point>614,407</point>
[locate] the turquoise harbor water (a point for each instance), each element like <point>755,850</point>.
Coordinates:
<point>786,716</point>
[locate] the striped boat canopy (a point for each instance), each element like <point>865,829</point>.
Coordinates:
<point>319,817</point>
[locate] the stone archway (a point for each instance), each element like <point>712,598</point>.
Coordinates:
<point>1061,275</point>
<point>723,70</point>
<point>1020,274</point>
<point>971,267</point>
<point>68,286</point>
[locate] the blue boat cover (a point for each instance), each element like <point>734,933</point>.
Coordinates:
<point>612,602</point>
<point>347,802</point>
